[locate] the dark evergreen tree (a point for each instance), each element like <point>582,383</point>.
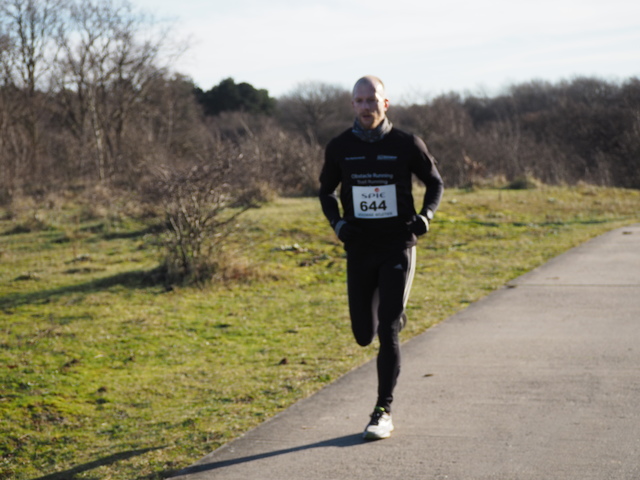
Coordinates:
<point>229,96</point>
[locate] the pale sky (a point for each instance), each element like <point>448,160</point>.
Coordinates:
<point>420,48</point>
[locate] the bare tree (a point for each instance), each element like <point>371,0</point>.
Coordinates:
<point>8,107</point>
<point>317,110</point>
<point>106,70</point>
<point>27,55</point>
<point>171,119</point>
<point>446,127</point>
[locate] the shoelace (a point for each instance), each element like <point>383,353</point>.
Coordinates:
<point>375,416</point>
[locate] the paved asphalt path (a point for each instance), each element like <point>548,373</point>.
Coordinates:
<point>540,380</point>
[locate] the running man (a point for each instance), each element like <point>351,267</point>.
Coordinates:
<point>373,162</point>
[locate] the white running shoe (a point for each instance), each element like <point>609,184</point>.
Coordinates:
<point>380,425</point>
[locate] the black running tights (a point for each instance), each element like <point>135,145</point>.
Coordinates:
<point>378,285</point>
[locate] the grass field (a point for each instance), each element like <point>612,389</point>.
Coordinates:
<point>107,374</point>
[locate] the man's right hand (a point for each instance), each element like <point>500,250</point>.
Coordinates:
<point>419,225</point>
<point>345,231</point>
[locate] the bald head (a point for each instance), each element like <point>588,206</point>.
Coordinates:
<point>373,81</point>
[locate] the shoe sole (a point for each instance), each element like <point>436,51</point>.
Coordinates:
<point>375,436</point>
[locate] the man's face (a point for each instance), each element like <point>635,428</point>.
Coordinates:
<point>369,105</point>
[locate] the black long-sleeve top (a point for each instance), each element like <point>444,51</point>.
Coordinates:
<point>376,186</point>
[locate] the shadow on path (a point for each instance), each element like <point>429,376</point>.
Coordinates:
<point>71,473</point>
<point>341,442</point>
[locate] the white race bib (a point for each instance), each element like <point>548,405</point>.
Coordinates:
<point>375,202</point>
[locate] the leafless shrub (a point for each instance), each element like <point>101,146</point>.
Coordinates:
<point>524,182</point>
<point>272,161</point>
<point>200,206</point>
<point>284,160</point>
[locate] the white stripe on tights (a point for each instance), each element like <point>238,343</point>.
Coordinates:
<point>410,274</point>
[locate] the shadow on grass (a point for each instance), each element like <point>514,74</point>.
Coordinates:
<point>342,442</point>
<point>71,473</point>
<point>132,279</point>
<point>150,230</point>
<point>535,224</point>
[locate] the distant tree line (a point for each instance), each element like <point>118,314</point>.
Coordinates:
<point>88,97</point>
<point>582,130</point>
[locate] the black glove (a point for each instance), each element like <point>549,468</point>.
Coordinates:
<point>346,231</point>
<point>419,225</point>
